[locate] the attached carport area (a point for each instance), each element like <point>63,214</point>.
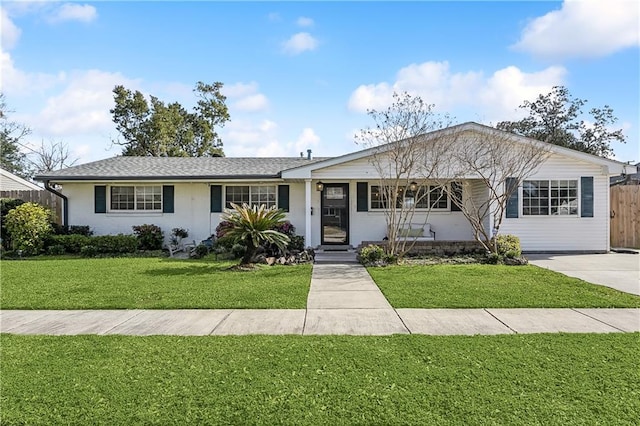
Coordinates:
<point>616,270</point>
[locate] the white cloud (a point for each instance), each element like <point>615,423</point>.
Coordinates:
<point>303,21</point>
<point>299,43</point>
<point>252,103</point>
<point>247,138</point>
<point>583,29</point>
<point>73,12</point>
<point>246,97</point>
<point>10,33</point>
<point>14,81</point>
<point>497,96</point>
<point>83,106</point>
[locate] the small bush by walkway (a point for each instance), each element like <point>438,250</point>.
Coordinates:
<point>492,286</point>
<point>551,379</point>
<point>150,283</point>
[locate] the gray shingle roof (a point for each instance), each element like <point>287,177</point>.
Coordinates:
<point>120,168</point>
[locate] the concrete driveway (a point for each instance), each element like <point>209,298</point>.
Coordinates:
<point>616,270</point>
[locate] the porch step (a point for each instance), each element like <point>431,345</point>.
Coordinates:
<point>335,255</point>
<point>327,248</point>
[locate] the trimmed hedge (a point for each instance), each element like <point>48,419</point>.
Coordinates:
<point>104,244</point>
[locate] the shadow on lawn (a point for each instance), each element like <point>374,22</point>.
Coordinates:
<point>187,270</point>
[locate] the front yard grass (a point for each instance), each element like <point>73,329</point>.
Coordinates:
<point>492,286</point>
<point>545,379</point>
<point>149,283</point>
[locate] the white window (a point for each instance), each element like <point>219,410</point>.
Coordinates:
<point>550,197</point>
<point>133,198</point>
<point>423,198</point>
<point>252,195</point>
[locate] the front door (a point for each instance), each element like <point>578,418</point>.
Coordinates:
<point>335,213</point>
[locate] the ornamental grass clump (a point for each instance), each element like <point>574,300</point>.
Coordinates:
<point>253,227</point>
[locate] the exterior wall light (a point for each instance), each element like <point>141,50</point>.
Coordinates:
<point>319,186</point>
<point>413,186</point>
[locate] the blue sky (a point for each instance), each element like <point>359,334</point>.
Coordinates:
<point>302,75</point>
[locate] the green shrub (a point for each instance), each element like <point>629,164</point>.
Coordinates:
<point>508,244</point>
<point>199,251</point>
<point>296,243</point>
<point>88,251</point>
<point>80,230</point>
<point>115,244</point>
<point>150,237</point>
<point>371,254</point>
<point>28,226</point>
<point>6,205</point>
<point>71,243</point>
<point>56,250</point>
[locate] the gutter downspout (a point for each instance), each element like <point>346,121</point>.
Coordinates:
<point>65,203</point>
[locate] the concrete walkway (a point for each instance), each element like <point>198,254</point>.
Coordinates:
<point>343,299</point>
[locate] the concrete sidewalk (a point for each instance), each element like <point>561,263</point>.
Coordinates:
<point>375,321</point>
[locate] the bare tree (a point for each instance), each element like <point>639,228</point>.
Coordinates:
<point>409,160</point>
<point>493,165</point>
<point>50,156</point>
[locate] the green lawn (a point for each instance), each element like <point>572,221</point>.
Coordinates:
<point>152,283</point>
<point>541,379</point>
<point>492,286</point>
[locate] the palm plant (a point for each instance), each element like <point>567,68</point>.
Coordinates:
<point>253,226</point>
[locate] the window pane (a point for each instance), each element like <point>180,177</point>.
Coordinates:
<point>260,195</point>
<point>145,197</point>
<point>377,199</point>
<point>437,197</point>
<point>564,200</point>
<point>122,197</point>
<point>237,194</point>
<point>535,197</point>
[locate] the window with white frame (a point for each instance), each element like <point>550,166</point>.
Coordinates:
<point>550,197</point>
<point>136,198</point>
<point>253,195</point>
<point>424,197</point>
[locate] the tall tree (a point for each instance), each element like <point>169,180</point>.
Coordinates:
<point>557,118</point>
<point>168,130</point>
<point>12,158</point>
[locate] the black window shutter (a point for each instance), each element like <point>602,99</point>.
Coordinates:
<point>100,199</point>
<point>216,198</point>
<point>167,199</point>
<point>586,196</point>
<point>511,185</point>
<point>283,197</point>
<point>362,195</point>
<point>456,196</point>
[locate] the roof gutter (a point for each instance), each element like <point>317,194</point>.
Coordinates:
<point>65,202</point>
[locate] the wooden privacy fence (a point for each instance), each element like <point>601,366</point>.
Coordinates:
<point>43,197</point>
<point>625,216</point>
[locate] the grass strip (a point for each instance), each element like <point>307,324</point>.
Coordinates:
<point>492,286</point>
<point>552,379</point>
<point>149,283</point>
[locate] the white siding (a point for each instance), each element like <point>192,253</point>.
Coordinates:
<point>565,233</point>
<point>478,195</point>
<point>192,211</point>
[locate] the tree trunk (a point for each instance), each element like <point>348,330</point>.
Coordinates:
<point>249,254</point>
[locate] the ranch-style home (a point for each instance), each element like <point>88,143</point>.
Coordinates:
<point>564,206</point>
